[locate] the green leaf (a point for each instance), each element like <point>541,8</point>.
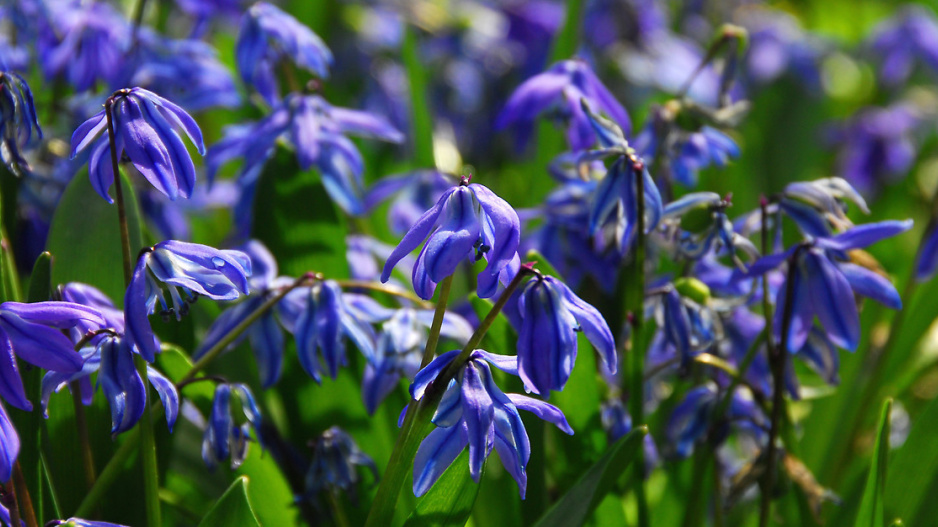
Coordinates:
<point>85,238</point>
<point>575,507</point>
<point>297,221</point>
<point>233,508</point>
<point>40,281</point>
<point>450,500</point>
<point>872,512</point>
<point>913,477</point>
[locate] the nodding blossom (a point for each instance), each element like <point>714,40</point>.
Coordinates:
<point>223,437</point>
<point>19,128</point>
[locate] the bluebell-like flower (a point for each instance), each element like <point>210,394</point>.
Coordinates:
<point>366,255</point>
<point>778,45</point>
<point>9,445</point>
<point>691,419</point>
<point>687,325</point>
<point>335,459</point>
<point>413,193</point>
<point>877,145</point>
<point>317,131</point>
<point>614,214</point>
<point>224,437</point>
<point>85,42</point>
<point>78,522</point>
<point>320,320</point>
<point>475,412</point>
<point>19,129</point>
<point>468,220</point>
<point>927,258</point>
<point>617,422</point>
<point>905,40</point>
<point>558,92</point>
<point>146,128</point>
<point>823,283</point>
<point>267,36</point>
<point>196,269</point>
<point>33,333</point>
<point>551,316</point>
<point>718,236</point>
<point>819,207</point>
<point>687,151</point>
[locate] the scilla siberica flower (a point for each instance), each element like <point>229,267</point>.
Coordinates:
<point>551,316</point>
<point>691,419</point>
<point>19,128</point>
<point>909,37</point>
<point>474,411</point>
<point>78,522</point>
<point>196,269</point>
<point>33,333</point>
<point>224,437</point>
<point>333,468</point>
<point>469,220</point>
<point>558,91</point>
<point>823,284</point>
<point>9,446</point>
<point>268,35</point>
<point>145,128</point>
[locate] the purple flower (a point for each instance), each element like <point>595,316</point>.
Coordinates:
<point>910,37</point>
<point>551,316</point>
<point>19,129</point>
<point>468,221</point>
<point>412,193</point>
<point>146,129</point>
<point>33,333</point>
<point>690,421</point>
<point>779,45</point>
<point>196,269</point>
<point>333,468</point>
<point>9,446</point>
<point>877,146</point>
<point>78,522</point>
<point>223,437</point>
<point>823,284</point>
<point>267,36</point>
<point>927,259</point>
<point>688,151</point>
<point>558,91</point>
<point>475,412</point>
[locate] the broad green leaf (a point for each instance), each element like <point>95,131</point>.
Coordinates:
<point>85,238</point>
<point>575,507</point>
<point>233,508</point>
<point>449,502</point>
<point>296,219</point>
<point>913,475</point>
<point>40,280</point>
<point>872,512</point>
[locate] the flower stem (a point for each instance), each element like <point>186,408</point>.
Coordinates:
<point>637,377</point>
<point>416,421</point>
<point>433,338</point>
<point>25,499</point>
<point>9,500</point>
<point>81,425</point>
<point>383,288</point>
<point>236,331</point>
<point>419,104</point>
<point>151,477</point>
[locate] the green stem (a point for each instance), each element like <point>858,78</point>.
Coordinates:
<point>419,103</point>
<point>434,337</point>
<point>24,499</point>
<point>118,188</point>
<point>389,289</point>
<point>9,490</point>
<point>110,473</point>
<point>81,425</point>
<point>416,421</point>
<point>637,369</point>
<point>236,332</point>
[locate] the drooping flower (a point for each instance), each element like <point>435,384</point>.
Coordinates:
<point>691,419</point>
<point>907,39</point>
<point>19,129</point>
<point>196,269</point>
<point>551,316</point>
<point>320,321</point>
<point>317,131</point>
<point>224,437</point>
<point>146,129</point>
<point>468,221</point>
<point>9,445</point>
<point>687,151</point>
<point>335,459</point>
<point>717,237</point>
<point>558,92</point>
<point>33,333</point>
<point>267,36</point>
<point>78,522</point>
<point>474,411</point>
<point>413,193</point>
<point>778,45</point>
<point>927,259</point>
<point>823,283</point>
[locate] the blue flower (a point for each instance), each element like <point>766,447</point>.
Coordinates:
<point>317,131</point>
<point>908,38</point>
<point>413,193</point>
<point>468,221</point>
<point>223,437</point>
<point>779,45</point>
<point>320,320</point>
<point>333,468</point>
<point>19,129</point>
<point>927,259</point>
<point>78,522</point>
<point>9,446</point>
<point>691,419</point>
<point>551,316</point>
<point>688,151</point>
<point>717,237</point>
<point>196,269</point>
<point>877,145</point>
<point>85,42</point>
<point>558,92</point>
<point>33,333</point>
<point>268,35</point>
<point>145,128</point>
<point>617,422</point>
<point>822,283</point>
<point>475,412</point>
